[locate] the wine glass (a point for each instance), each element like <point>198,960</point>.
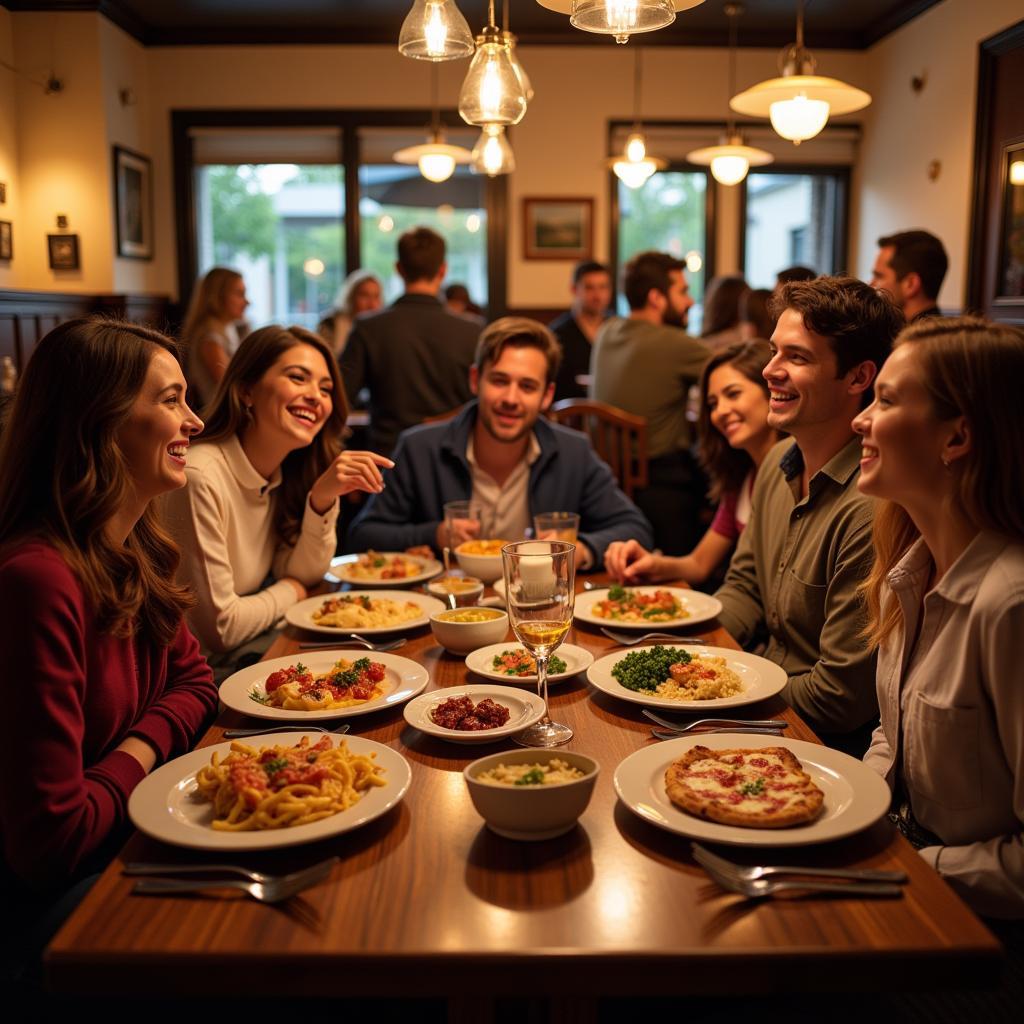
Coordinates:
<point>540,591</point>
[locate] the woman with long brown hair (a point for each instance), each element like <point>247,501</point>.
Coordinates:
<point>210,332</point>
<point>942,451</point>
<point>734,440</point>
<point>263,487</point>
<point>101,678</point>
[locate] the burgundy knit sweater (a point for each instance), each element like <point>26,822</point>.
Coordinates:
<point>70,694</point>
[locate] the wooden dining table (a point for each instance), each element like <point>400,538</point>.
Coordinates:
<point>427,902</point>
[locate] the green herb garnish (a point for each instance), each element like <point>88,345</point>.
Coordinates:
<point>534,777</point>
<point>273,767</point>
<point>753,788</point>
<point>616,593</point>
<point>379,562</point>
<point>647,670</point>
<point>260,698</point>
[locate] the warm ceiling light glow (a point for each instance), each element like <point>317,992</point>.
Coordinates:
<point>435,30</point>
<point>730,160</point>
<point>313,267</point>
<point>1017,172</point>
<point>492,154</point>
<point>635,166</point>
<point>492,92</point>
<point>620,18</point>
<point>517,66</point>
<point>436,166</point>
<point>636,148</point>
<point>800,118</point>
<point>386,224</point>
<point>729,170</point>
<point>694,261</point>
<point>435,159</point>
<point>473,223</point>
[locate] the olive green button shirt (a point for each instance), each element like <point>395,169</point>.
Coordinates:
<point>796,571</point>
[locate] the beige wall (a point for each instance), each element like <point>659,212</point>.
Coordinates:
<point>904,131</point>
<point>55,150</point>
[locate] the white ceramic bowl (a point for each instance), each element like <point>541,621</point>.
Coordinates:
<point>484,567</point>
<point>531,812</point>
<point>463,597</point>
<point>465,637</point>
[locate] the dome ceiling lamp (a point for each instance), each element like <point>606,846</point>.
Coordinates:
<point>799,103</point>
<point>620,18</point>
<point>731,158</point>
<point>435,158</point>
<point>492,154</point>
<point>492,93</point>
<point>634,167</point>
<point>435,30</point>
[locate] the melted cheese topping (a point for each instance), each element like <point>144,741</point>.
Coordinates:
<point>752,783</point>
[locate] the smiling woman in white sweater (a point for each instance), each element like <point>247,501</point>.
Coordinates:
<point>256,522</point>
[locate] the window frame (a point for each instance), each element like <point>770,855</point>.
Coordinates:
<point>348,122</point>
<point>841,238</point>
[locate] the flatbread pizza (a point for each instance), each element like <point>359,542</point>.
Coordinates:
<point>755,788</point>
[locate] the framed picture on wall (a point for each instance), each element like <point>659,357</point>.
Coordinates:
<point>6,240</point>
<point>133,204</point>
<point>558,228</point>
<point>63,251</point>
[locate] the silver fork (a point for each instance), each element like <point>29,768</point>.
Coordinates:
<point>664,734</point>
<point>314,870</point>
<point>237,734</point>
<point>761,723</point>
<point>746,873</point>
<point>628,640</point>
<point>760,888</point>
<point>274,890</point>
<point>387,645</point>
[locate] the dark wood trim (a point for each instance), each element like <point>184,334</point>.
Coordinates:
<point>888,23</point>
<point>498,240</point>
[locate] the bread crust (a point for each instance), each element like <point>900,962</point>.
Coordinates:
<point>732,771</point>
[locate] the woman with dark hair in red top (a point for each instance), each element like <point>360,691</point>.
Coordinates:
<point>101,678</point>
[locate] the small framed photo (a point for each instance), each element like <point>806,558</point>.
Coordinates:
<point>133,204</point>
<point>558,229</point>
<point>6,240</point>
<point>63,252</point>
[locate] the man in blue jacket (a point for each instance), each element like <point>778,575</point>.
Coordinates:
<point>503,455</point>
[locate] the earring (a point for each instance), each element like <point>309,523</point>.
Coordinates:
<point>945,461</point>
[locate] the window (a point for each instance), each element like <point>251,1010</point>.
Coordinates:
<point>667,213</point>
<point>794,218</point>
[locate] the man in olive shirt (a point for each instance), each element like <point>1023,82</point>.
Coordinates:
<point>807,546</point>
<point>646,364</point>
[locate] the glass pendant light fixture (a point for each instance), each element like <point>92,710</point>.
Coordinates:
<point>620,18</point>
<point>492,92</point>
<point>634,167</point>
<point>730,159</point>
<point>510,43</point>
<point>492,154</point>
<point>435,30</point>
<point>435,158</point>
<point>799,103</point>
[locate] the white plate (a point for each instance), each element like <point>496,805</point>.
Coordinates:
<point>301,614</point>
<point>760,678</point>
<point>855,796</point>
<point>576,658</point>
<point>701,608</point>
<point>163,805</point>
<point>341,571</point>
<point>499,589</point>
<point>402,679</point>
<point>525,708</point>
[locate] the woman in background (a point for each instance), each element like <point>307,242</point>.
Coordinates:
<point>360,292</point>
<point>102,679</point>
<point>941,450</point>
<point>263,489</point>
<point>210,334</point>
<point>734,440</point>
<point>721,312</point>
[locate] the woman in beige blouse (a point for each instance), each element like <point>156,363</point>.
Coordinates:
<point>942,449</point>
<point>256,522</point>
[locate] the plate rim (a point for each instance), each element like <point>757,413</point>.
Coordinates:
<point>430,569</point>
<point>714,703</point>
<point>486,736</point>
<point>175,772</point>
<point>425,601</point>
<point>268,714</point>
<point>664,752</point>
<point>558,677</point>
<point>695,618</point>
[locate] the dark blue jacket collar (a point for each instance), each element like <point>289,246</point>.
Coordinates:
<point>456,437</point>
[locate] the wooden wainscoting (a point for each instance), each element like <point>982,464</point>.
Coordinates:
<point>25,317</point>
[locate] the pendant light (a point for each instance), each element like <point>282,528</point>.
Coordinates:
<point>492,154</point>
<point>435,30</point>
<point>634,167</point>
<point>435,158</point>
<point>620,18</point>
<point>799,103</point>
<point>730,159</point>
<point>492,93</point>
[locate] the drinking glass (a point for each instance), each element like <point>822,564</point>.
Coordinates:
<point>540,591</point>
<point>556,526</point>
<point>458,515</point>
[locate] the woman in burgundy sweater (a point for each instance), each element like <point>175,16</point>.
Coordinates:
<point>101,678</point>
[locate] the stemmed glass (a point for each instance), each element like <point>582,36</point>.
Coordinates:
<point>540,591</point>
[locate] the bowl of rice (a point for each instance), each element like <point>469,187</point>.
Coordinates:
<point>531,794</point>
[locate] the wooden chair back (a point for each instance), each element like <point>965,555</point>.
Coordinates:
<point>618,437</point>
